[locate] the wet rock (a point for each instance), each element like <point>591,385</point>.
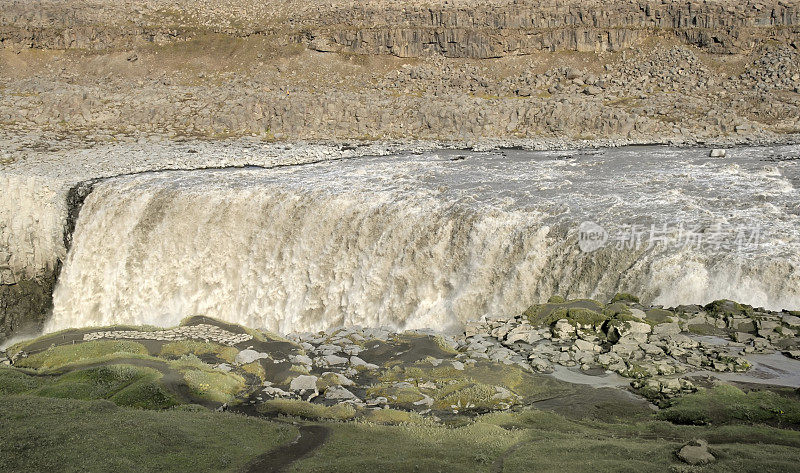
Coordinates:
<point>795,354</point>
<point>717,153</point>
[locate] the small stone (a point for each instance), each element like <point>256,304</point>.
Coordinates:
<point>593,90</point>
<point>717,153</point>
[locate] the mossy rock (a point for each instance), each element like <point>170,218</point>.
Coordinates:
<point>398,394</point>
<point>658,316</point>
<point>255,369</point>
<point>214,385</point>
<point>637,371</point>
<point>393,417</point>
<point>556,300</point>
<point>725,307</point>
<point>586,312</point>
<point>624,297</point>
<point>620,311</point>
<point>307,410</point>
<point>327,380</point>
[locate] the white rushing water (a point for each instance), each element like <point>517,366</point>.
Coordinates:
<point>432,240</point>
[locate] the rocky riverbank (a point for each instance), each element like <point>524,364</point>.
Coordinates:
<point>660,354</point>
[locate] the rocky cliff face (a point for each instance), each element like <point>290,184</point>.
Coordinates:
<point>525,27</point>
<point>408,29</point>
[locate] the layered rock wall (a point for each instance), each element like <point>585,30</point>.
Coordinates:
<point>406,29</point>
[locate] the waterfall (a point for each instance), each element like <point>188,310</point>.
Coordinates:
<point>336,244</point>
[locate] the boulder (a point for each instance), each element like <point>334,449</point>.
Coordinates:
<point>791,321</point>
<point>248,356</point>
<point>667,329</point>
<point>696,453</point>
<point>357,362</point>
<point>583,345</point>
<point>635,327</point>
<point>304,382</point>
<point>300,359</point>
<point>329,360</point>
<point>339,393</point>
<point>563,329</point>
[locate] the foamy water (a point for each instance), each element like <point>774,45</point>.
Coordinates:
<point>433,240</point>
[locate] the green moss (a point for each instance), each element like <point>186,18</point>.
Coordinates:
<point>393,416</point>
<point>658,316</point>
<point>256,369</point>
<point>214,385</point>
<point>636,371</point>
<point>724,307</point>
<point>14,381</point>
<point>186,347</point>
<point>474,385</point>
<point>579,311</point>
<point>81,353</point>
<point>726,404</point>
<point>327,380</point>
<point>443,345</point>
<point>409,447</point>
<point>189,361</point>
<point>556,300</point>
<point>470,395</point>
<point>399,395</point>
<point>125,385</point>
<point>307,410</point>
<point>46,434</point>
<point>624,297</point>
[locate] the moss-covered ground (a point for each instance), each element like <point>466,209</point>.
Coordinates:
<point>65,435</point>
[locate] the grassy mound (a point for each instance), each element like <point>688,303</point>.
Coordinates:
<point>727,404</point>
<point>307,410</point>
<point>122,384</point>
<point>42,434</point>
<point>480,387</point>
<point>65,355</point>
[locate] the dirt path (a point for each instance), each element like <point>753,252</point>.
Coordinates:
<point>278,459</point>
